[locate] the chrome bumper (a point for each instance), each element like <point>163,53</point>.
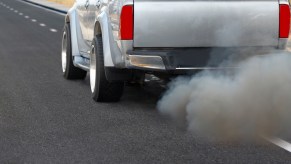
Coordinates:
<point>190,58</point>
<point>147,62</point>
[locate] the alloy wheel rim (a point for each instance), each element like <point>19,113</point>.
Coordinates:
<point>64,52</point>
<point>93,69</point>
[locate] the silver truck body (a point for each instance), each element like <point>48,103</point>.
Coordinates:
<point>165,28</point>
<point>206,23</point>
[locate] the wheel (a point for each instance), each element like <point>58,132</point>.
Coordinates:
<point>102,89</point>
<point>69,70</point>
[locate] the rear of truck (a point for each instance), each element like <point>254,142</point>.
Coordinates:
<point>181,34</point>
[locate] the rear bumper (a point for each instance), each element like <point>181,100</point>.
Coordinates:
<point>191,58</point>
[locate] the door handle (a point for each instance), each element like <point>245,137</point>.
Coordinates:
<point>87,4</point>
<point>98,3</point>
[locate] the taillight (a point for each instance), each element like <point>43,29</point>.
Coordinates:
<point>126,23</point>
<point>284,21</point>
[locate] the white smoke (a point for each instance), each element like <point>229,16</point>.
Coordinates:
<point>254,99</point>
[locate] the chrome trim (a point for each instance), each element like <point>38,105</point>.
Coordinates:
<point>81,63</point>
<point>205,68</point>
<point>83,67</point>
<point>150,62</point>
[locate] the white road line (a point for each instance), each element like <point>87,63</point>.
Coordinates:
<point>53,30</point>
<point>42,24</point>
<point>33,20</point>
<point>279,142</point>
<point>20,13</point>
<point>15,11</point>
<point>26,17</point>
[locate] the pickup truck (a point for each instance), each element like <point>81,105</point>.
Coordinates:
<point>117,41</point>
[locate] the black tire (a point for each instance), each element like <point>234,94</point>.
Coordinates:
<point>104,90</point>
<point>69,70</point>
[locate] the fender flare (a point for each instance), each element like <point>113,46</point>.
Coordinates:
<point>113,59</point>
<point>112,53</point>
<point>71,18</point>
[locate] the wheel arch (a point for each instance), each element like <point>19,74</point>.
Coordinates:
<point>67,18</point>
<point>97,28</point>
<point>72,19</point>
<point>111,54</point>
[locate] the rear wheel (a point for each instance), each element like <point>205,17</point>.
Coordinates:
<point>69,70</point>
<point>102,89</point>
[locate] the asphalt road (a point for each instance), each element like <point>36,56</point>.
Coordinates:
<point>47,119</point>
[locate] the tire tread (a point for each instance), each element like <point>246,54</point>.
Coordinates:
<point>72,72</point>
<point>107,91</point>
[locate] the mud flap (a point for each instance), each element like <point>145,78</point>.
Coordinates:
<point>114,74</point>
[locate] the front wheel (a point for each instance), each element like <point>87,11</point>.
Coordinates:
<point>102,89</point>
<point>69,70</point>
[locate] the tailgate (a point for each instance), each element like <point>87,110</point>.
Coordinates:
<point>189,23</point>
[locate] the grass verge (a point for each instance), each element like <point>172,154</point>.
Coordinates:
<point>68,3</point>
